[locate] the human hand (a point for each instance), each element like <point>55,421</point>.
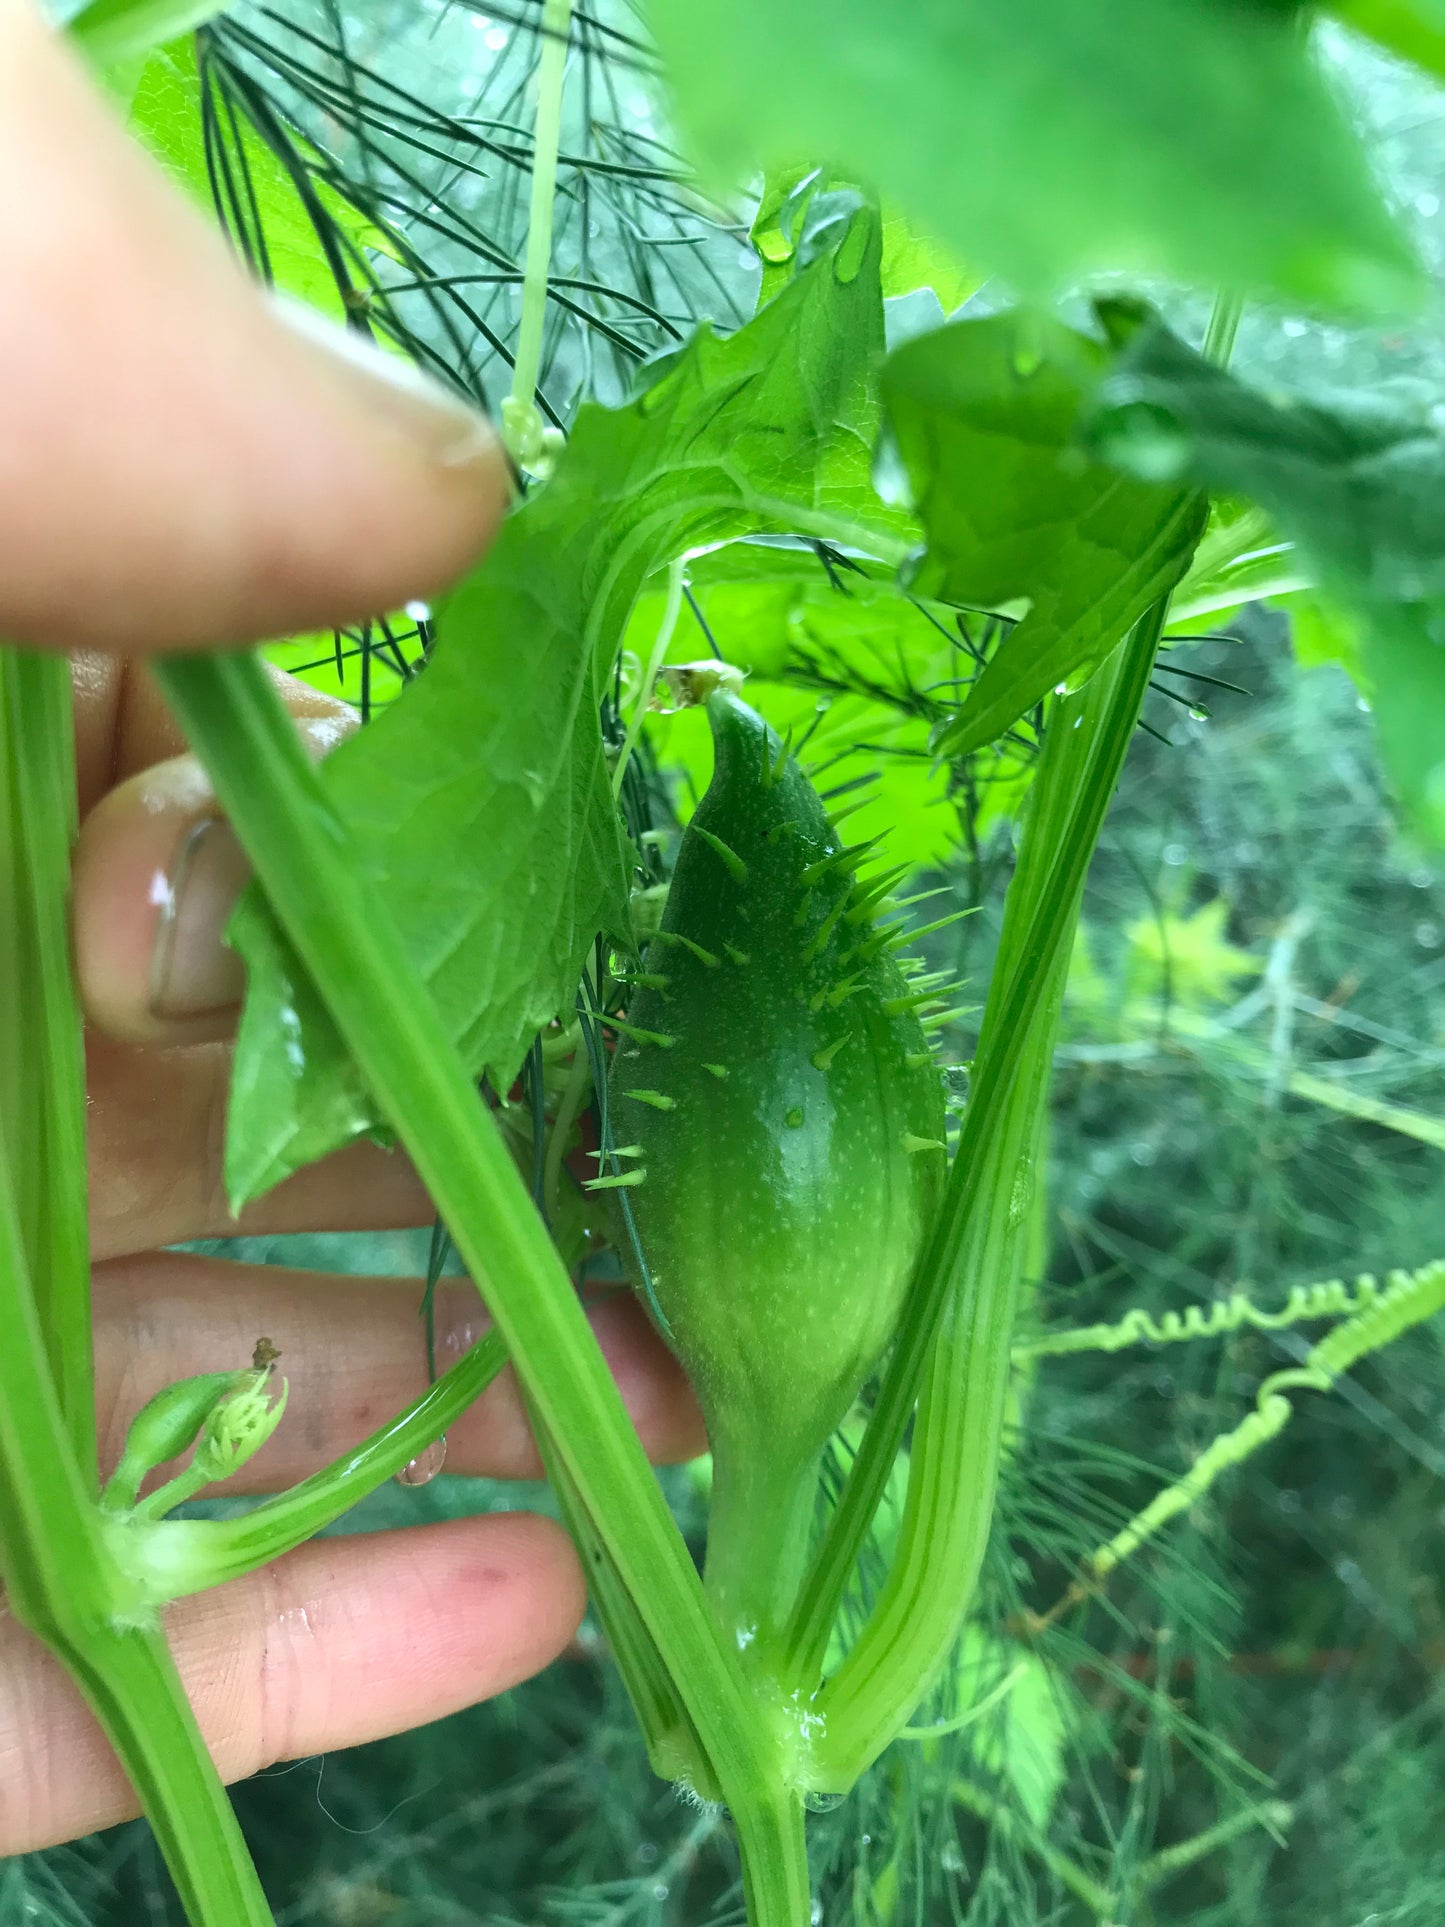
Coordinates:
<point>179,466</point>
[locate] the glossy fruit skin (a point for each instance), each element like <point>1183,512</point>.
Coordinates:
<point>791,1131</point>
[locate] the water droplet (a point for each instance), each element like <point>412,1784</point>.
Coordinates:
<point>1175,854</point>
<point>647,1853</point>
<point>1199,713</point>
<point>660,1890</point>
<point>951,1858</point>
<point>1427,935</point>
<point>424,1467</point>
<point>815,1914</point>
<point>823,1802</point>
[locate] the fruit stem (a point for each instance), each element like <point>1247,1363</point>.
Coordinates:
<point>758,1524</point>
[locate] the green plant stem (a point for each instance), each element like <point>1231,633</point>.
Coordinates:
<point>1223,327</point>
<point>546,137</point>
<point>172,1557</point>
<point>758,1524</point>
<point>676,581</point>
<point>347,941</point>
<point>1045,907</point>
<point>981,1241</point>
<point>42,1063</point>
<point>63,1585</point>
<point>672,1743</point>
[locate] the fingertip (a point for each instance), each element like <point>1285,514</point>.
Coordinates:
<point>182,464</point>
<point>157,873</point>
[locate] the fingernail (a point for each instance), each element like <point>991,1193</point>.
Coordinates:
<point>193,974</point>
<point>453,434</point>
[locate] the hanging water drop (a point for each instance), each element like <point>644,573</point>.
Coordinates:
<point>424,1467</point>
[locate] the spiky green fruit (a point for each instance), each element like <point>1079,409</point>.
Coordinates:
<point>793,1167</point>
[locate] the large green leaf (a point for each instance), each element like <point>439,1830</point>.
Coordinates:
<point>982,419</point>
<point>1357,480</point>
<point>1045,138</point>
<point>480,801</point>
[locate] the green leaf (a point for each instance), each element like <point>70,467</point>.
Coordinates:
<point>1020,1739</point>
<point>858,665</point>
<point>165,115</point>
<point>981,418</point>
<point>111,31</point>
<point>1414,29</point>
<point>1047,138</point>
<point>480,800</point>
<point>1184,957</point>
<point>1240,558</point>
<point>1320,632</point>
<point>911,258</point>
<point>1356,480</point>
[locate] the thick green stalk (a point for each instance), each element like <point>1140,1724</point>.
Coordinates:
<point>1046,892</point>
<point>671,1741</point>
<point>42,1065</point>
<point>63,1585</point>
<point>346,939</point>
<point>58,1574</point>
<point>959,1428</point>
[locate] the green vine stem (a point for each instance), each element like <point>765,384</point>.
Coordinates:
<point>169,1558</point>
<point>1408,1299</point>
<point>981,1244</point>
<point>347,941</point>
<point>59,1576</point>
<point>42,1063</point>
<point>672,1744</point>
<point>1044,909</point>
<point>522,423</point>
<point>1331,1298</point>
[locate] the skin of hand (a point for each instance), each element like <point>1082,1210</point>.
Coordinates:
<point>184,464</point>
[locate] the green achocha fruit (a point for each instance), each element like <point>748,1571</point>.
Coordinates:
<point>781,1128</point>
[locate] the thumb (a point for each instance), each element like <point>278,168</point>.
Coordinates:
<point>183,460</point>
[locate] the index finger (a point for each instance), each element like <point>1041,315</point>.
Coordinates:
<point>181,461</point>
